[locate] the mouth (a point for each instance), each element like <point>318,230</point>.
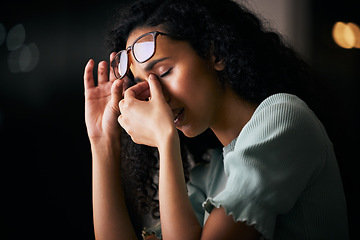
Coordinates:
<point>178,114</point>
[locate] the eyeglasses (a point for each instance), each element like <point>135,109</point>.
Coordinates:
<point>142,49</point>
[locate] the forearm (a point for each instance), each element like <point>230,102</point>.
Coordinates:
<point>111,219</point>
<point>178,219</point>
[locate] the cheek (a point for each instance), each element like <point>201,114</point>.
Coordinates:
<point>192,91</point>
<point>192,84</point>
<point>178,84</point>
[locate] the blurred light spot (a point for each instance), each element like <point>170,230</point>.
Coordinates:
<point>16,37</point>
<point>346,35</point>
<point>29,57</point>
<point>24,59</point>
<point>13,61</point>
<point>2,33</point>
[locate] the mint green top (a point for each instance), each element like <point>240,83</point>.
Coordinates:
<point>280,175</point>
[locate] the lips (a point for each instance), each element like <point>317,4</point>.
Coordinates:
<point>177,114</point>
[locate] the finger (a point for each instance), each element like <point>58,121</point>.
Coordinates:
<point>116,95</point>
<point>137,90</point>
<point>127,84</point>
<point>112,75</point>
<point>88,75</point>
<point>102,72</point>
<point>144,95</point>
<point>155,87</point>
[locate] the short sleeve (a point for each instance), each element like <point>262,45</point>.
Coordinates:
<point>206,179</point>
<point>276,156</point>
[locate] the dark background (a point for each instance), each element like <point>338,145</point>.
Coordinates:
<point>45,158</point>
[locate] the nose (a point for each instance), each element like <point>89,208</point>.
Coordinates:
<point>166,94</point>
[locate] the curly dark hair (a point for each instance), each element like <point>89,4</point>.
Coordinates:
<point>258,64</point>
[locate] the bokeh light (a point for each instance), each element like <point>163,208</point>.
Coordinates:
<point>29,57</point>
<point>24,59</point>
<point>16,37</point>
<point>346,35</point>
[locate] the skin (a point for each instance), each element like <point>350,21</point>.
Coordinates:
<point>181,82</point>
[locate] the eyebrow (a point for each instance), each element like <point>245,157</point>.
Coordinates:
<point>152,63</point>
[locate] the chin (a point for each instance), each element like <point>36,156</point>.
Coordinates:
<point>190,132</point>
<point>190,135</point>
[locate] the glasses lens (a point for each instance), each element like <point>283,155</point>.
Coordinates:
<point>144,48</point>
<point>123,63</point>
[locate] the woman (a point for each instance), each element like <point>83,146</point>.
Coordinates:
<point>193,66</point>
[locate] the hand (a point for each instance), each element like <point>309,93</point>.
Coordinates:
<point>102,102</point>
<point>148,122</point>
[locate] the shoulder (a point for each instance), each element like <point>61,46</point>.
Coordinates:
<point>285,108</point>
<point>281,99</point>
<point>283,136</point>
<point>284,117</point>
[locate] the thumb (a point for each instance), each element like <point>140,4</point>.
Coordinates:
<point>116,95</point>
<point>155,87</point>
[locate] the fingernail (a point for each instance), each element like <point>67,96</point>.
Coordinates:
<point>112,55</point>
<point>102,64</point>
<point>89,62</point>
<point>119,83</point>
<point>152,77</point>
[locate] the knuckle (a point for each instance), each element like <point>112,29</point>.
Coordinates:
<point>134,139</point>
<point>124,122</point>
<point>127,104</point>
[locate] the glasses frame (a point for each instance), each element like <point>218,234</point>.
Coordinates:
<point>154,34</point>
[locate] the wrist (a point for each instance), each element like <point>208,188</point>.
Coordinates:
<point>105,148</point>
<point>105,140</point>
<point>170,140</point>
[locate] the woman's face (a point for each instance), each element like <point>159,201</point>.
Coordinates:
<point>189,83</point>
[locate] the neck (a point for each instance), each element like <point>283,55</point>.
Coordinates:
<point>232,115</point>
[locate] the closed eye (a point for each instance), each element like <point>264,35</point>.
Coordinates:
<point>166,73</point>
